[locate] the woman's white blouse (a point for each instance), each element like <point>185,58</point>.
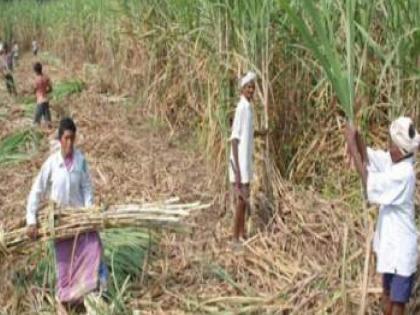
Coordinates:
<point>68,188</point>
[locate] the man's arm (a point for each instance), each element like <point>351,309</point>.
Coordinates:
<point>38,190</point>
<point>356,150</point>
<point>235,137</point>
<point>236,169</point>
<point>86,185</point>
<point>361,147</point>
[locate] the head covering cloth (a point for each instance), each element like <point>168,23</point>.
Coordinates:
<point>247,78</point>
<point>404,135</point>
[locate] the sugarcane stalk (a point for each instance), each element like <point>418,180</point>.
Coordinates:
<point>57,223</point>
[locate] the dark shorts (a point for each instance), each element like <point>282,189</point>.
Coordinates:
<point>10,83</point>
<point>42,110</point>
<point>399,287</point>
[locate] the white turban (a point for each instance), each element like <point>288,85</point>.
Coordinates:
<point>400,135</point>
<point>247,78</point>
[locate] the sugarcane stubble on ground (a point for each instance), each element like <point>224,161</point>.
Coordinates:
<point>301,262</point>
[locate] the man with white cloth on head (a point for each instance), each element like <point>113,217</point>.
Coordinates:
<point>390,181</point>
<point>240,162</point>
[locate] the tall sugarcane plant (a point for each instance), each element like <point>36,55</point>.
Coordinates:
<point>323,44</point>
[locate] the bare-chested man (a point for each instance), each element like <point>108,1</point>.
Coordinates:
<point>42,88</point>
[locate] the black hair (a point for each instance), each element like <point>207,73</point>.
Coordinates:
<point>66,124</point>
<point>38,68</point>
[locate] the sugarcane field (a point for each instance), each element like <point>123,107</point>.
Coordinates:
<point>209,157</point>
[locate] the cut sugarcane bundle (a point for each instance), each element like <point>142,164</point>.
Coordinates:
<point>56,223</point>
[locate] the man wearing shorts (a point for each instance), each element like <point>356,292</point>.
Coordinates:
<point>240,168</point>
<point>42,88</point>
<point>390,181</point>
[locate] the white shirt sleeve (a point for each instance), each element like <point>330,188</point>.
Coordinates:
<point>238,123</point>
<point>38,190</point>
<point>86,185</point>
<point>389,187</point>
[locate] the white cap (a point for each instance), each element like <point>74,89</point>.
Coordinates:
<point>400,135</point>
<point>247,78</point>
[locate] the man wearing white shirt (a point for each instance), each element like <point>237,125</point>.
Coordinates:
<point>240,164</point>
<point>390,181</point>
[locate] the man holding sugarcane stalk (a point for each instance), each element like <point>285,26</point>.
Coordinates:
<point>389,180</point>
